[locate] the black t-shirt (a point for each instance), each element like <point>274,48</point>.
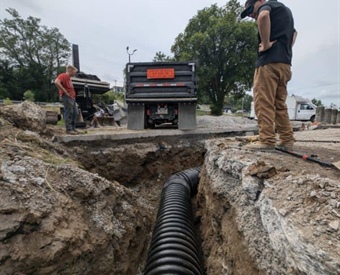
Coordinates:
<point>282,30</point>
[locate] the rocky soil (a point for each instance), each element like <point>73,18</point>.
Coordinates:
<point>56,217</point>
<point>225,121</point>
<point>87,207</point>
<point>265,213</point>
<point>26,115</point>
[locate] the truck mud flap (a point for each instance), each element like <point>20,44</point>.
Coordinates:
<point>186,116</point>
<point>136,117</point>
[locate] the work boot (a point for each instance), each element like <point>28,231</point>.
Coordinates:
<point>70,132</point>
<point>285,146</point>
<point>260,146</point>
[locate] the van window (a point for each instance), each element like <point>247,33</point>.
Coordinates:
<point>306,107</point>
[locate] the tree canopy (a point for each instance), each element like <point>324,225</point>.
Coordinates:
<point>224,47</point>
<point>162,57</point>
<point>317,102</point>
<point>31,55</point>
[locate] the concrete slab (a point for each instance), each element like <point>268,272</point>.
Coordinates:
<point>320,135</point>
<point>125,134</point>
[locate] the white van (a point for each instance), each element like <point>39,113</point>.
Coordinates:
<point>299,108</point>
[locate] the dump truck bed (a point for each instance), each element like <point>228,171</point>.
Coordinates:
<point>161,81</point>
<point>95,86</point>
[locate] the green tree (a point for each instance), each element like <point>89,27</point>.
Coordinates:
<point>8,81</point>
<point>3,89</point>
<point>29,95</point>
<point>317,102</point>
<point>31,54</point>
<point>247,100</point>
<point>224,47</point>
<point>162,57</point>
<point>238,102</point>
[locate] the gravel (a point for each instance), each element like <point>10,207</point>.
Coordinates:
<point>225,121</point>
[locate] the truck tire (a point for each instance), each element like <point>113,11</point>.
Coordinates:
<point>312,119</point>
<point>145,121</point>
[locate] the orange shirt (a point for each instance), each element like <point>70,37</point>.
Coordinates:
<point>67,84</point>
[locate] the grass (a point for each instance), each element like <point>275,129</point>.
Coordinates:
<point>51,108</point>
<point>202,113</point>
<point>61,122</point>
<point>241,114</point>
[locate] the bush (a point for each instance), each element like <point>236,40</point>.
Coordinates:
<point>109,97</point>
<point>8,101</point>
<point>216,110</point>
<point>29,95</point>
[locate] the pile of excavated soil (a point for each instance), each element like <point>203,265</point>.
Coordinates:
<point>57,218</point>
<point>268,213</point>
<point>225,121</point>
<point>26,115</point>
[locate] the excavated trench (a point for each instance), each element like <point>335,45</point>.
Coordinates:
<point>91,208</point>
<point>143,168</point>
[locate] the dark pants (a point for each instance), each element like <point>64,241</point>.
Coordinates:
<point>70,112</point>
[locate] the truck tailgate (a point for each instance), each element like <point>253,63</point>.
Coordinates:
<point>153,81</point>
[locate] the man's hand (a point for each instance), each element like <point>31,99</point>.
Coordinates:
<point>60,87</point>
<point>266,46</point>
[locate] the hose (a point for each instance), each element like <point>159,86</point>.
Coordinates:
<point>305,157</point>
<point>174,248</point>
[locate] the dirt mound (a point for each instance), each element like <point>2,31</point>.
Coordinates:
<point>225,122</point>
<point>59,219</point>
<point>26,115</point>
<point>285,222</point>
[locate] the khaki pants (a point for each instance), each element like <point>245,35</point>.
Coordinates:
<point>270,93</point>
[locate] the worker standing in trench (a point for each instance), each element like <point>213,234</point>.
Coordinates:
<point>277,36</point>
<point>68,96</point>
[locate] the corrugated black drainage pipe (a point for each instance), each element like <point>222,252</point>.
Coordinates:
<point>174,248</point>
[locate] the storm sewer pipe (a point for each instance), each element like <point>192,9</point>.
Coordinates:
<point>174,248</point>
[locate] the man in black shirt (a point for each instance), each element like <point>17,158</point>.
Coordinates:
<point>276,39</point>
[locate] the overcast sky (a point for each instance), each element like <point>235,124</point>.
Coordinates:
<point>103,29</point>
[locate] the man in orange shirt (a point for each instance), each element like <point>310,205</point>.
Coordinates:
<point>68,95</point>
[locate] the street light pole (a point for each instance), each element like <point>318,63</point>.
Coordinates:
<point>130,53</point>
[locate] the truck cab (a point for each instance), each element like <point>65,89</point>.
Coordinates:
<point>305,111</point>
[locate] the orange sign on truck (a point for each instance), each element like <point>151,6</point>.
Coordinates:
<point>161,73</point>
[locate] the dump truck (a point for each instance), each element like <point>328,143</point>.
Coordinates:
<point>299,108</point>
<point>161,92</point>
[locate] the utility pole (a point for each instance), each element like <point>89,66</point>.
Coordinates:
<point>130,53</point>
<point>115,86</point>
